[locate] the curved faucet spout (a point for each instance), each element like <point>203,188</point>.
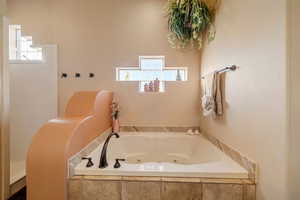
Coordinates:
<point>103,160</point>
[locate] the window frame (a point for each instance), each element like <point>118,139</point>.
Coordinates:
<point>139,77</point>
<point>138,68</point>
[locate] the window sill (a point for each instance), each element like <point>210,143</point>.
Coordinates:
<point>26,61</point>
<point>155,93</point>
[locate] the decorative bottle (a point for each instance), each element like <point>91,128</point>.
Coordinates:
<point>146,87</point>
<point>178,76</point>
<point>156,85</point>
<point>151,89</point>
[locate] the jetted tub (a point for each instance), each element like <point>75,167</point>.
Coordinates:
<point>163,154</point>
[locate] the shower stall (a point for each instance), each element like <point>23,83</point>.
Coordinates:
<point>33,96</point>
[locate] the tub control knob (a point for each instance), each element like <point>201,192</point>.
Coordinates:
<point>89,163</point>
<point>117,164</point>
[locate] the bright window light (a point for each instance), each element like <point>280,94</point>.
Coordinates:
<point>152,62</point>
<point>20,47</point>
<point>151,68</point>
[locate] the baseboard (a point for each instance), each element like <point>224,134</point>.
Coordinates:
<point>17,186</point>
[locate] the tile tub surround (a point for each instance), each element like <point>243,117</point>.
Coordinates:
<point>238,157</point>
<point>157,129</point>
<point>158,188</point>
<point>77,158</point>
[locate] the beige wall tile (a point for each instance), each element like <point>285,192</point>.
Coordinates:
<point>77,177</point>
<point>101,190</point>
<point>156,190</point>
<point>223,180</point>
<point>181,180</point>
<point>74,191</point>
<point>157,129</point>
<point>132,190</point>
<point>181,191</point>
<point>222,192</point>
<point>142,178</point>
<point>151,129</point>
<point>249,192</point>
<point>251,168</point>
<point>103,178</point>
<point>128,129</point>
<point>243,161</point>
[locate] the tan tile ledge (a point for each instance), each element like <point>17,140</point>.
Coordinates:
<point>165,179</point>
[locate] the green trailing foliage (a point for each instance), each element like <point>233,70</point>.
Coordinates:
<point>190,23</point>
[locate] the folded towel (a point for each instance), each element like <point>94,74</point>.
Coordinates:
<point>212,98</point>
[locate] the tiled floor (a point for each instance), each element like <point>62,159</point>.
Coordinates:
<point>21,195</point>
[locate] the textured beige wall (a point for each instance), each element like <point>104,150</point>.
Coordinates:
<point>4,109</point>
<point>294,99</point>
<point>252,35</point>
<point>2,8</point>
<point>1,134</point>
<point>97,36</point>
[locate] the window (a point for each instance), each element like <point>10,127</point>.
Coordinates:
<point>20,47</point>
<point>152,74</point>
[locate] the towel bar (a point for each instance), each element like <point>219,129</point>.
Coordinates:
<point>225,69</point>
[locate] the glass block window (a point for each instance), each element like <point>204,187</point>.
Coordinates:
<point>152,71</point>
<point>20,47</point>
<point>152,63</point>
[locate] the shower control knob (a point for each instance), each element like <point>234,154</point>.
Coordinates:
<point>117,164</point>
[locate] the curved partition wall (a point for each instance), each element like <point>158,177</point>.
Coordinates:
<point>88,114</point>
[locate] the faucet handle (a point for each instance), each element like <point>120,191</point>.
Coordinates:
<point>117,164</point>
<point>89,163</point>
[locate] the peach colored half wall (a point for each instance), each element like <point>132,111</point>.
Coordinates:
<point>61,138</point>
<point>100,35</point>
<point>252,35</point>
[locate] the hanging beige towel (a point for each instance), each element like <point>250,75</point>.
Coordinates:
<point>212,98</point>
<point>218,94</point>
<point>208,99</point>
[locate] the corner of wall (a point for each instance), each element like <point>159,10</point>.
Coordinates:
<point>4,105</point>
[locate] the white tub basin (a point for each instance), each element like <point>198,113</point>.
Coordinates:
<point>163,154</point>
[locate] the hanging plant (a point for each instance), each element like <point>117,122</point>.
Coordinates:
<point>190,22</point>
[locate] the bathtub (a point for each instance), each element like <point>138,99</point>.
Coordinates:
<point>166,154</point>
